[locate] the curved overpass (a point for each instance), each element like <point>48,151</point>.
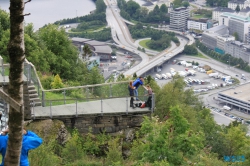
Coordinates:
<point>121,35</point>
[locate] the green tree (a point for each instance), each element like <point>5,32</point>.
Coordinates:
<point>57,83</point>
<point>185,4</point>
<point>100,6</point>
<point>86,52</point>
<point>237,9</point>
<point>164,8</point>
<point>236,35</point>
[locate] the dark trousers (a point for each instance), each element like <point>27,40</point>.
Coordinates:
<point>149,102</point>
<point>131,101</point>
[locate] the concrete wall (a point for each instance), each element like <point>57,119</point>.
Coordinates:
<point>106,123</point>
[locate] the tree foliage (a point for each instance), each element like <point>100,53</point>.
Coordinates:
<point>190,50</point>
<point>237,62</point>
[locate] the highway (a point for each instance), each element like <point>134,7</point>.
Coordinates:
<point>122,37</point>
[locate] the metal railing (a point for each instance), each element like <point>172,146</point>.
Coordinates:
<point>76,94</point>
<point>112,105</point>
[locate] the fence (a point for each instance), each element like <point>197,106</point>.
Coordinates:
<point>70,95</point>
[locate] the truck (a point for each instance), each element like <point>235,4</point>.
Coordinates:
<point>158,76</point>
<point>164,76</point>
<point>210,71</point>
<point>168,75</point>
<point>226,108</point>
<point>188,65</point>
<point>213,75</point>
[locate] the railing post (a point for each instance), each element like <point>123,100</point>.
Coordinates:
<point>29,73</point>
<point>87,96</point>
<point>101,107</point>
<point>50,110</point>
<point>64,96</point>
<point>110,90</point>
<point>76,109</point>
<point>43,98</point>
<point>127,105</point>
<point>38,90</point>
<point>152,103</point>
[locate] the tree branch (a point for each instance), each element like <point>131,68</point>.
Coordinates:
<point>27,1</point>
<point>26,14</point>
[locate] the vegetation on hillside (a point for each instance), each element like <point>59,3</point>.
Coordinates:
<point>51,51</point>
<point>219,3</point>
<point>131,10</point>
<point>160,40</point>
<point>181,132</point>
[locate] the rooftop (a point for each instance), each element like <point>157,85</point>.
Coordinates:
<point>224,9</point>
<point>237,1</point>
<point>103,49</point>
<point>180,8</point>
<point>240,93</point>
<point>236,16</point>
<point>217,29</point>
<point>203,20</point>
<point>247,9</point>
<point>78,39</point>
<point>95,43</point>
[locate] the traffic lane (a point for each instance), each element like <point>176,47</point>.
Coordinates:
<point>221,119</point>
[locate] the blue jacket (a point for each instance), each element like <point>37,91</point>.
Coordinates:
<point>30,141</point>
<point>137,83</point>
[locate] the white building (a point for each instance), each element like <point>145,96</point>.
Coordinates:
<point>219,10</point>
<point>236,24</point>
<point>232,4</point>
<point>200,24</point>
<point>221,41</point>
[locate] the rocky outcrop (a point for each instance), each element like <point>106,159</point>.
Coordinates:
<point>50,130</point>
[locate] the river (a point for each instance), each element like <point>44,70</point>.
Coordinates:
<point>48,11</point>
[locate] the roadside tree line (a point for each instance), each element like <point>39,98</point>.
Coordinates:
<point>225,58</point>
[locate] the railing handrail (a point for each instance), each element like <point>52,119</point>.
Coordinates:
<point>39,82</point>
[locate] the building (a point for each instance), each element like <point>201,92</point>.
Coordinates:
<point>219,10</point>
<point>245,12</point>
<point>238,50</point>
<point>236,97</point>
<point>209,36</point>
<point>178,18</point>
<point>232,4</point>
<point>100,49</point>
<point>236,24</point>
<point>200,24</point>
<point>212,23</point>
<point>222,40</point>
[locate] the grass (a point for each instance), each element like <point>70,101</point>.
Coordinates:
<point>199,55</point>
<point>198,16</point>
<point>194,6</point>
<point>143,43</point>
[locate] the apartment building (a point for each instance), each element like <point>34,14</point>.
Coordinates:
<point>232,4</point>
<point>178,18</point>
<point>219,10</point>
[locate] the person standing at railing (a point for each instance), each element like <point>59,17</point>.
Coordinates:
<point>149,94</point>
<point>131,93</point>
<point>139,81</point>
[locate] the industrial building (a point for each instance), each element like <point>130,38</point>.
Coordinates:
<point>236,97</point>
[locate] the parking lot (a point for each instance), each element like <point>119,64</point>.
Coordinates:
<point>199,81</point>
